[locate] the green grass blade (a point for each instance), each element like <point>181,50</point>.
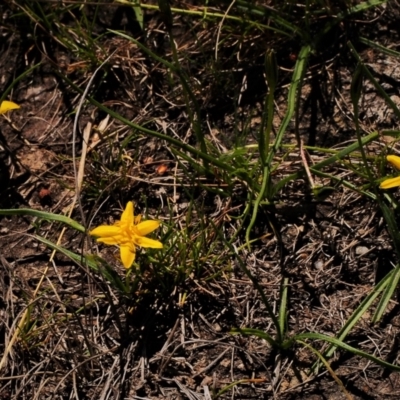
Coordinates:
<point>255,332</point>
<point>16,80</point>
<point>138,13</point>
<point>175,68</point>
<point>352,10</point>
<point>204,12</point>
<point>91,261</point>
<point>283,306</point>
<point>359,312</point>
<point>178,143</point>
<point>338,343</point>
<point>109,273</point>
<point>273,15</point>
<point>346,151</point>
<point>295,85</point>
<point>230,386</point>
<point>328,367</point>
<point>392,225</point>
<point>382,49</point>
<point>78,258</point>
<point>271,75</point>
<point>328,161</point>
<point>257,202</point>
<point>257,286</point>
<point>361,7</point>
<point>45,215</point>
<point>294,88</point>
<point>369,75</point>
<point>387,294</point>
<point>344,183</point>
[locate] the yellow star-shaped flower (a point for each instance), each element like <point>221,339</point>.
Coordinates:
<point>392,182</point>
<point>7,106</point>
<point>127,233</point>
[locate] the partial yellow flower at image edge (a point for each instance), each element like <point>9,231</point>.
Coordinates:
<point>392,182</point>
<point>7,106</point>
<point>127,233</point>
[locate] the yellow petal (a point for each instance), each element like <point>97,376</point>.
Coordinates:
<point>390,183</point>
<point>394,160</point>
<point>146,242</point>
<point>105,231</point>
<point>7,106</point>
<point>146,227</point>
<point>127,215</point>
<point>127,255</point>
<point>112,240</point>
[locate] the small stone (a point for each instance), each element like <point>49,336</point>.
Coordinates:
<point>361,250</point>
<point>319,264</point>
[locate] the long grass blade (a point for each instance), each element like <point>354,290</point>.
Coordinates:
<point>283,306</point>
<point>369,75</point>
<point>387,294</point>
<point>255,332</point>
<point>329,368</point>
<point>328,161</point>
<point>338,343</point>
<point>359,312</point>
<point>91,261</point>
<point>46,216</point>
<point>178,143</point>
<point>294,88</point>
<point>379,47</point>
<point>78,258</point>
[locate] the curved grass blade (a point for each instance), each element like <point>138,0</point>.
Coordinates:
<point>387,294</point>
<point>283,306</point>
<point>293,90</point>
<point>272,15</point>
<point>359,312</point>
<point>328,161</point>
<point>236,383</point>
<point>16,80</point>
<point>271,75</point>
<point>138,13</point>
<point>352,10</point>
<point>91,261</point>
<point>176,68</point>
<point>255,332</point>
<point>369,75</point>
<point>379,47</point>
<point>344,183</point>
<point>45,215</point>
<point>78,258</point>
<point>204,12</point>
<point>295,85</point>
<point>338,343</point>
<point>329,368</point>
<point>179,144</point>
<point>365,5</point>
